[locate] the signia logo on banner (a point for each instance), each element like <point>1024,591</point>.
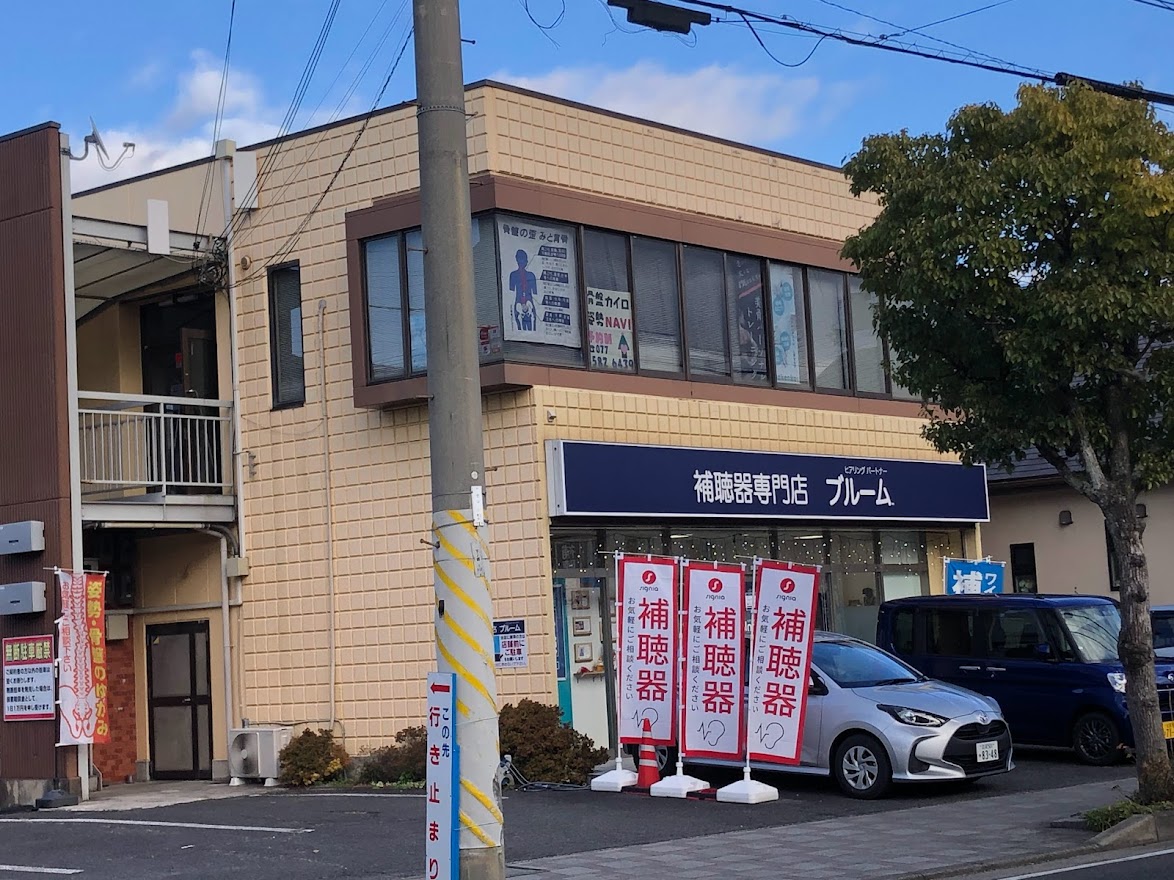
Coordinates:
<point>713,724</point>
<point>780,662</point>
<point>647,621</point>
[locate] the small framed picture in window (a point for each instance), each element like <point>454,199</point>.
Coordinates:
<point>580,600</point>
<point>583,652</point>
<point>581,626</point>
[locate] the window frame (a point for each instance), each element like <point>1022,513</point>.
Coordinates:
<point>405,330</point>
<point>277,403</point>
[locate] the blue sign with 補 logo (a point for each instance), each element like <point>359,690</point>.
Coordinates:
<point>621,480</point>
<point>968,577</point>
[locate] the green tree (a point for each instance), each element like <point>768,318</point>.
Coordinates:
<point>1022,265</point>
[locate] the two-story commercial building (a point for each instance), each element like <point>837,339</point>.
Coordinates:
<point>675,360</point>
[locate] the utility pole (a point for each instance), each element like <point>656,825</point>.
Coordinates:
<point>464,629</point>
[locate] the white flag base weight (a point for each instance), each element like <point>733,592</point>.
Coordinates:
<point>747,791</point>
<point>614,780</point>
<point>678,786</point>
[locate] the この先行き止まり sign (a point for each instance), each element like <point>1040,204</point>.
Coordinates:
<point>441,779</point>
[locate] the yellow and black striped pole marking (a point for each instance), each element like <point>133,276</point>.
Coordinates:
<point>464,641</point>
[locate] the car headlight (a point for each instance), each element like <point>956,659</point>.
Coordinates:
<point>1117,681</point>
<point>914,717</point>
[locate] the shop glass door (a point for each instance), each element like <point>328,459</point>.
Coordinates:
<point>179,701</point>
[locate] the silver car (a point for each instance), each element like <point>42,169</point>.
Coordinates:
<point>872,720</point>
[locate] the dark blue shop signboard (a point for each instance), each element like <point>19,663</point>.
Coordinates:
<point>619,480</point>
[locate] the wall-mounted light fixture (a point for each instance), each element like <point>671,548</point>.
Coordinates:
<point>1065,517</point>
<point>1142,513</point>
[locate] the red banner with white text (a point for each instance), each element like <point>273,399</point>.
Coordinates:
<point>647,599</point>
<point>81,638</point>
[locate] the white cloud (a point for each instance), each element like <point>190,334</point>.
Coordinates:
<point>183,131</point>
<point>723,101</point>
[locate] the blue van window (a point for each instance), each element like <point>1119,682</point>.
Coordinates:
<point>1094,630</point>
<point>1015,635</point>
<point>903,631</point>
<point>950,632</point>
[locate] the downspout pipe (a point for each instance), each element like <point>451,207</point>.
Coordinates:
<point>225,537</point>
<point>331,637</point>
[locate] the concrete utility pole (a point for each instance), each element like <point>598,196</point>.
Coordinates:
<point>464,629</point>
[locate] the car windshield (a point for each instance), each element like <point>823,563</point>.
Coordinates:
<point>856,665</point>
<point>1094,630</point>
<point>1163,629</point>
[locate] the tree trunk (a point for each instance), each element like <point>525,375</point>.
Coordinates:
<point>1155,777</point>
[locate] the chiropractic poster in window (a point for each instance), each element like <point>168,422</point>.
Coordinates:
<point>539,282</point>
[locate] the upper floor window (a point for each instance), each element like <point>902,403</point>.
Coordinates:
<point>285,336</point>
<point>564,295</point>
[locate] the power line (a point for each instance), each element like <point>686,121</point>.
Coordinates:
<point>206,190</point>
<point>1157,4</point>
<point>254,220</point>
<point>236,221</point>
<point>292,240</point>
<point>1129,92</point>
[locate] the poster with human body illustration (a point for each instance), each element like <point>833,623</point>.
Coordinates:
<point>539,282</point>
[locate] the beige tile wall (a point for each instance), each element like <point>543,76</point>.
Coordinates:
<point>585,149</point>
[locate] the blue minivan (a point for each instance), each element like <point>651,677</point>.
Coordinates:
<point>1050,662</point>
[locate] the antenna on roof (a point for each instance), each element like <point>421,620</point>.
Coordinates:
<point>95,138</point>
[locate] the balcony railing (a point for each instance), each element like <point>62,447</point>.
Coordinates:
<point>135,445</point>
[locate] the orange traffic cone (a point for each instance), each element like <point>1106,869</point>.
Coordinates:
<point>647,773</point>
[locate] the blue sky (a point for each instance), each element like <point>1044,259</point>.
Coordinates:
<point>149,71</point>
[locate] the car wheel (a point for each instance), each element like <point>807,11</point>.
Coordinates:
<point>1096,739</point>
<point>666,756</point>
<point>862,768</point>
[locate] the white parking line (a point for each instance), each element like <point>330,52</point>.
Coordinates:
<point>29,869</point>
<point>140,822</point>
<point>1100,864</point>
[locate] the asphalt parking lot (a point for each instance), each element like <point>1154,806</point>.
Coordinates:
<point>280,835</point>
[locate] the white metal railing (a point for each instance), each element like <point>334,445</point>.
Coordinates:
<point>133,444</point>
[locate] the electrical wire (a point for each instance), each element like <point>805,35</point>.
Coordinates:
<point>288,245</point>
<point>545,28</point>
<point>1157,4</point>
<point>206,190</point>
<point>237,220</point>
<point>324,135</point>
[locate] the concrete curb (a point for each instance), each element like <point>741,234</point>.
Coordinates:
<point>1138,831</point>
<point>1002,864</point>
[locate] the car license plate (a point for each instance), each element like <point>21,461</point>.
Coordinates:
<point>1168,729</point>
<point>988,752</point>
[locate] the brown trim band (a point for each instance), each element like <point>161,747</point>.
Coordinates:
<point>490,191</point>
<point>511,377</point>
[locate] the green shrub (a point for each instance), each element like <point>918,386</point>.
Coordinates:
<point>1104,818</point>
<point>401,763</point>
<point>544,749</point>
<point>311,757</point>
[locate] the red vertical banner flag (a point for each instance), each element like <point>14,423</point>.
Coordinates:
<point>81,639</point>
<point>713,686</point>
<point>780,660</point>
<point>647,599</point>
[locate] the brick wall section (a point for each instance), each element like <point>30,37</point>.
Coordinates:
<point>116,759</point>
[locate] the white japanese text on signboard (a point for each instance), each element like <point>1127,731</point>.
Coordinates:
<point>648,647</point>
<point>441,779</point>
<point>780,659</point>
<point>510,645</point>
<point>714,687</point>
<point>28,679</point>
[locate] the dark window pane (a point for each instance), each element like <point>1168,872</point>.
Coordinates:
<point>903,631</point>
<point>828,332</point>
<point>285,307</point>
<point>949,633</point>
<point>417,335</point>
<point>705,312</point>
<point>654,269</point>
<point>789,324</point>
<point>747,319</point>
<point>870,356</point>
<point>609,301</point>
<point>385,326</point>
<point>1023,572</point>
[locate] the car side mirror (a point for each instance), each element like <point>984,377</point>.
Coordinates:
<point>815,688</point>
<point>1043,651</point>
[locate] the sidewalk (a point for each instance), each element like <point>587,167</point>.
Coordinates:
<point>890,844</point>
<point>146,795</point>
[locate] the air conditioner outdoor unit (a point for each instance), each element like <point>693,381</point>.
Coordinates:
<point>253,753</point>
